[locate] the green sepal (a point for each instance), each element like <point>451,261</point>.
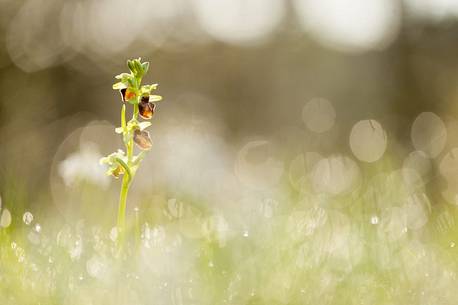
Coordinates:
<point>131,66</point>
<point>131,82</point>
<point>123,76</point>
<point>119,85</point>
<point>147,89</point>
<point>155,98</point>
<point>145,67</point>
<point>144,125</point>
<point>138,68</point>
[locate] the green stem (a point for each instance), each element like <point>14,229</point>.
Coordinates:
<point>135,114</point>
<point>127,178</point>
<point>123,204</point>
<point>128,175</point>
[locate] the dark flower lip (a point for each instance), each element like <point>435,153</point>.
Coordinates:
<point>146,109</point>
<point>142,139</point>
<point>144,99</point>
<point>123,94</point>
<point>126,94</point>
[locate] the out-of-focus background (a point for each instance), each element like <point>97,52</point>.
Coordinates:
<point>287,109</point>
<point>230,72</point>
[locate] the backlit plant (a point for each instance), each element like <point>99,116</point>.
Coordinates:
<point>125,162</point>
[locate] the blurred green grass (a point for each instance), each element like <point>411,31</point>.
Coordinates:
<point>300,248</point>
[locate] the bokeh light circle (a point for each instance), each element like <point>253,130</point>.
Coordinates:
<point>418,161</point>
<point>300,167</point>
<point>256,165</point>
<point>429,134</point>
<point>368,140</point>
<point>319,115</point>
<point>335,175</point>
<point>448,168</point>
<point>354,27</point>
<point>241,22</point>
<point>5,218</point>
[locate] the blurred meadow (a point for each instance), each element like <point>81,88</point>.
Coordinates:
<point>305,152</point>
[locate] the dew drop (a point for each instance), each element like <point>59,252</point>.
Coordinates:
<point>95,267</point>
<point>452,244</point>
<point>210,264</point>
<point>75,250</point>
<point>114,234</point>
<point>245,233</point>
<point>374,220</point>
<point>27,218</point>
<point>38,228</point>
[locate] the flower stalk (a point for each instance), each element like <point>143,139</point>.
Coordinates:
<point>124,162</point>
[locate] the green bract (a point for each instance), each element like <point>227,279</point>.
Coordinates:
<point>131,81</point>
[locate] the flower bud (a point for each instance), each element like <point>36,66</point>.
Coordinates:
<point>142,139</point>
<point>145,108</point>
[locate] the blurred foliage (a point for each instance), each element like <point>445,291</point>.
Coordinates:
<point>306,152</point>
